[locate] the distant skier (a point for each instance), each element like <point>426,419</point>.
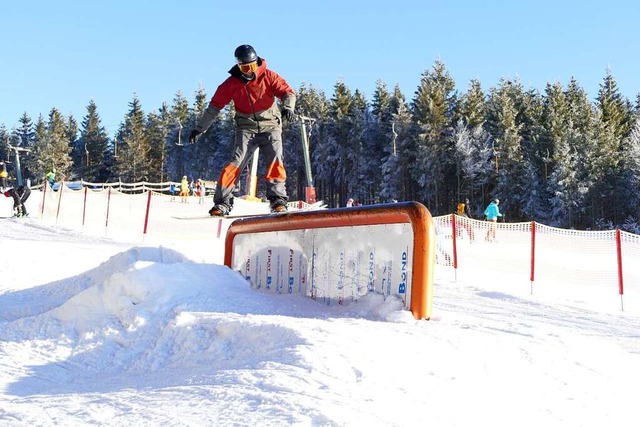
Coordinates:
<point>253,89</point>
<point>184,189</point>
<point>51,177</point>
<point>201,190</point>
<point>492,213</point>
<point>463,209</point>
<point>3,175</point>
<point>173,191</point>
<point>20,195</point>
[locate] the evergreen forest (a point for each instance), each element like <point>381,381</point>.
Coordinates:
<point>556,157</point>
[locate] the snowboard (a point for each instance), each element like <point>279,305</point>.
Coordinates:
<point>312,207</point>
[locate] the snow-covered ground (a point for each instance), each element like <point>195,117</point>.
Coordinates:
<point>98,332</point>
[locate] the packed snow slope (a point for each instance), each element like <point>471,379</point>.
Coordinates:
<point>96,332</point>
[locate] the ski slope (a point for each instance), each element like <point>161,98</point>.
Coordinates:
<point>95,331</point>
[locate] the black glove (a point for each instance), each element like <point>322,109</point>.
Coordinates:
<point>288,115</point>
<point>193,135</point>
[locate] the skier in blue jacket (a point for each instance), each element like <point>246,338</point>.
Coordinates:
<point>492,212</point>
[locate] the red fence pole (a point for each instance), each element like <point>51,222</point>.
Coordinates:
<point>455,243</point>
<point>146,215</point>
<point>533,254</point>
<point>84,206</point>
<point>106,222</point>
<point>619,253</point>
<point>44,194</point>
<point>59,200</point>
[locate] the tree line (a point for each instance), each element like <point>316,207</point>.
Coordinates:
<point>553,156</point>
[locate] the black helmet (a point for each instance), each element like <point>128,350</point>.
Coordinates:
<point>245,54</point>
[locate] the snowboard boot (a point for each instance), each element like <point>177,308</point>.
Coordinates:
<point>221,209</point>
<point>218,210</point>
<point>278,205</point>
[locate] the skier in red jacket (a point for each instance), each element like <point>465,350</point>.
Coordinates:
<point>253,89</point>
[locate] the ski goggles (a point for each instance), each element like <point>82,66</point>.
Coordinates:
<point>249,67</point>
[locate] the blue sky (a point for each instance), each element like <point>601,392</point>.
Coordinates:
<point>65,53</point>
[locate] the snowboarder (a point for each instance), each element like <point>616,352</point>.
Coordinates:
<point>253,89</point>
<point>20,195</point>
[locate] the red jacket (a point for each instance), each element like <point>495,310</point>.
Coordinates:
<point>251,96</point>
<point>254,100</point>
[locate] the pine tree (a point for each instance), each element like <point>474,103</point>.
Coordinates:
<point>535,146</point>
<point>512,176</point>
<point>582,141</point>
<point>72,140</point>
<point>378,138</point>
<point>332,158</point>
<point>36,170</point>
<point>358,160</point>
<point>397,183</point>
<point>472,105</point>
<point>632,182</point>
<point>25,131</point>
<point>433,107</point>
<point>474,168</point>
<point>92,147</point>
<point>312,103</point>
<point>182,122</point>
<point>133,163</point>
<point>52,147</point>
<point>614,127</point>
<point>24,137</point>
<point>157,129</point>
<point>615,109</point>
<point>5,153</point>
<point>560,160</point>
<point>568,121</point>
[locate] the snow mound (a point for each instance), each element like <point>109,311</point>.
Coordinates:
<point>149,312</point>
<point>41,299</point>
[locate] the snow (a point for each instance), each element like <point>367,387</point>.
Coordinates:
<point>95,331</point>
